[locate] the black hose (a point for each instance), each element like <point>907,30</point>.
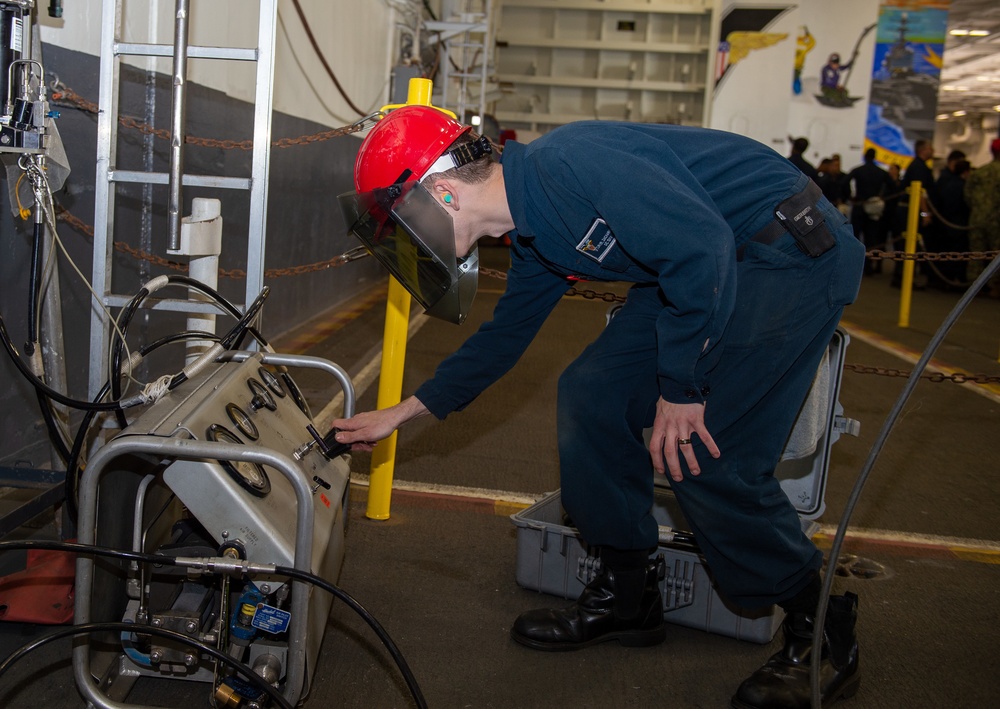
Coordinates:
<point>118,348</point>
<point>56,396</point>
<point>397,656</point>
<point>122,627</point>
<point>73,459</point>
<point>290,572</point>
<point>55,433</point>
<point>897,409</point>
<point>34,286</point>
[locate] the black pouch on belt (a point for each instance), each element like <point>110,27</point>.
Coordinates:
<point>800,217</point>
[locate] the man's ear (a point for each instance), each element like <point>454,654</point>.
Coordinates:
<point>443,191</point>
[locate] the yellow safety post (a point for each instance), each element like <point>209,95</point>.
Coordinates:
<point>912,217</point>
<point>390,386</point>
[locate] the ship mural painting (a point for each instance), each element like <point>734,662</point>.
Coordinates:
<point>906,77</point>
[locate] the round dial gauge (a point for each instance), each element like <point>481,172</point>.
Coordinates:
<point>242,421</point>
<point>261,395</point>
<point>250,476</point>
<point>271,382</point>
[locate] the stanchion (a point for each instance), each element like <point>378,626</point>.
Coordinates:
<point>390,387</point>
<point>906,287</point>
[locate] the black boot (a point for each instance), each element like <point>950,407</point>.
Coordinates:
<point>783,683</point>
<point>622,603</point>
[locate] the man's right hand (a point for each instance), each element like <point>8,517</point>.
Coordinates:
<point>363,430</point>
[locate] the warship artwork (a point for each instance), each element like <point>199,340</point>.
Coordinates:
<point>901,95</point>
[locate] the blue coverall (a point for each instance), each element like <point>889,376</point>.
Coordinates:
<point>713,317</point>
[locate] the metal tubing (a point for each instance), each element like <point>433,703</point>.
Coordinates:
<point>176,448</point>
<point>261,158</point>
<point>175,205</point>
<point>906,290</point>
<point>104,196</point>
<point>305,362</point>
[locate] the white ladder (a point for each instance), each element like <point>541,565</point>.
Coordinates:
<point>113,49</point>
<point>466,38</point>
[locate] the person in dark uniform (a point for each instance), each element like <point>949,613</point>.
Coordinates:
<point>951,221</point>
<point>798,158</point>
<point>917,171</point>
<point>869,185</point>
<point>741,270</point>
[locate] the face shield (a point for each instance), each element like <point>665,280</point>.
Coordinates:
<point>413,237</point>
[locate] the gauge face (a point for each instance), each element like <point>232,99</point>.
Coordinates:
<point>261,396</point>
<point>250,476</point>
<point>271,382</point>
<point>241,419</point>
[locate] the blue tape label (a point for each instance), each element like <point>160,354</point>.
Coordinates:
<point>270,619</point>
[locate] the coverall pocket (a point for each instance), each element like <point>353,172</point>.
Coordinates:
<point>771,283</point>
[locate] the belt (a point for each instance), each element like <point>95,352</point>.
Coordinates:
<point>776,228</point>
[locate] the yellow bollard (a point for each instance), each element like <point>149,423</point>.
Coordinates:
<point>390,388</point>
<point>397,321</point>
<point>912,219</point>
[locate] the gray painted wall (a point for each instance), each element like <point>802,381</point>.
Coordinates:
<point>304,226</point>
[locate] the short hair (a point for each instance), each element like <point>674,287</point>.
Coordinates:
<point>955,155</point>
<point>800,145</point>
<point>475,172</point>
<point>870,155</point>
<point>920,144</point>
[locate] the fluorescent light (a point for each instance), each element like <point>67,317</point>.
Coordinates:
<point>942,117</point>
<point>959,33</point>
<point>958,114</point>
<point>979,33</point>
<point>476,120</point>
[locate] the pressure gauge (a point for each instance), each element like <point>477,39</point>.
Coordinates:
<point>272,382</point>
<point>250,476</point>
<point>261,396</point>
<point>241,419</point>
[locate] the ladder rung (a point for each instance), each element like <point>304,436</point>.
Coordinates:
<point>245,54</point>
<point>163,178</point>
<point>114,300</point>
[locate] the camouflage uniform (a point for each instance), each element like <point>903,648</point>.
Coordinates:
<point>982,193</point>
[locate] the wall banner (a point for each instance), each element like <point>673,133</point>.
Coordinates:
<point>906,75</point>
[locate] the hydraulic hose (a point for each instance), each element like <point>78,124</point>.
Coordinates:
<point>34,286</point>
<point>122,627</point>
<point>144,557</point>
<point>397,656</point>
<point>55,433</point>
<point>56,396</point>
<point>890,421</point>
<point>73,458</point>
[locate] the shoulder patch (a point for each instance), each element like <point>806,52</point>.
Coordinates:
<point>598,241</point>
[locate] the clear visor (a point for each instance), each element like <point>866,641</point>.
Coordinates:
<point>413,237</point>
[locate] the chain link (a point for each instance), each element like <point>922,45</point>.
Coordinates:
<point>933,255</point>
<point>957,377</point>
<point>62,93</point>
<point>238,273</point>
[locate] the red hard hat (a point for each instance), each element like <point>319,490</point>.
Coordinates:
<point>409,138</point>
